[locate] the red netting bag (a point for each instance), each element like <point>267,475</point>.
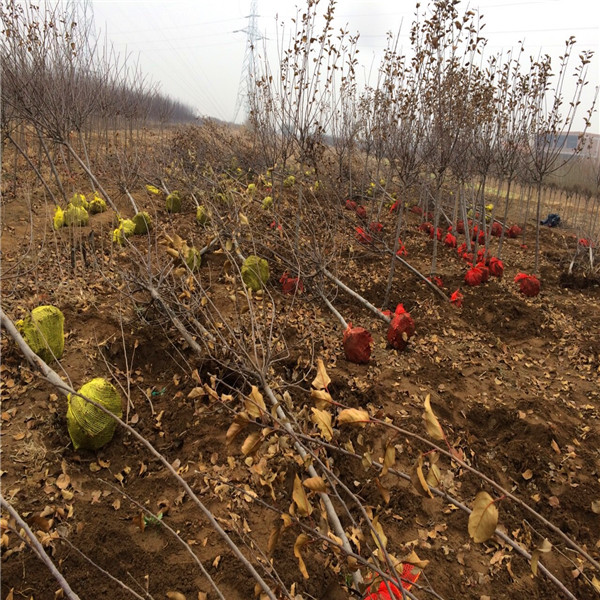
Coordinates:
<point>529,285</point>
<point>357,344</point>
<point>401,329</point>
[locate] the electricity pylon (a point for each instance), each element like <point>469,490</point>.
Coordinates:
<point>248,66</point>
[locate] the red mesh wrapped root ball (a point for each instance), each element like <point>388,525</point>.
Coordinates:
<point>363,237</point>
<point>357,344</point>
<point>474,277</point>
<point>496,267</point>
<point>529,285</point>
<point>410,575</point>
<point>485,272</point>
<point>496,229</point>
<point>514,232</point>
<point>291,285</point>
<point>457,298</point>
<point>401,329</point>
<point>450,240</point>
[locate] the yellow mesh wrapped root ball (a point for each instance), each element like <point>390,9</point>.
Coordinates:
<point>79,201</point>
<point>59,218</point>
<point>43,330</point>
<point>76,216</point>
<point>202,215</point>
<point>173,202</point>
<point>255,272</point>
<point>97,205</point>
<point>143,223</point>
<point>88,426</point>
<point>125,229</point>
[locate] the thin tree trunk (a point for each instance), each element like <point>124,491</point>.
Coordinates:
<point>35,169</point>
<point>90,175</point>
<point>52,166</point>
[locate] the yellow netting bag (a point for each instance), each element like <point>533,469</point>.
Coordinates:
<point>255,272</point>
<point>88,426</point>
<point>59,218</point>
<point>202,215</point>
<point>173,202</point>
<point>43,330</point>
<point>125,229</point>
<point>143,223</point>
<point>80,201</point>
<point>97,205</point>
<point>76,216</point>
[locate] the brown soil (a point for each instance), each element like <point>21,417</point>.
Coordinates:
<point>515,383</point>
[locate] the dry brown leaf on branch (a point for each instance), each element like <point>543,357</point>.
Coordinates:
<point>434,476</point>
<point>322,398</point>
<point>274,538</point>
<point>315,484</point>
<point>484,518</point>
<point>596,506</point>
<point>377,532</point>
<point>596,584</point>
<point>434,429</point>
<point>322,380</point>
<point>255,404</point>
<point>301,499</point>
<point>389,458</point>
<point>322,419</point>
<point>301,541</point>
<point>385,493</point>
<point>252,443</point>
<point>175,596</point>
<point>353,415</point>
<point>418,479</point>
<point>543,548</point>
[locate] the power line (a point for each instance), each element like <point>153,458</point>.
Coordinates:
<point>248,66</point>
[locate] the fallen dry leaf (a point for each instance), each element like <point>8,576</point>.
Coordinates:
<point>63,481</point>
<point>315,484</point>
<point>434,429</point>
<point>301,541</point>
<point>385,493</point>
<point>300,498</point>
<point>484,518</point>
<point>322,380</point>
<point>413,559</point>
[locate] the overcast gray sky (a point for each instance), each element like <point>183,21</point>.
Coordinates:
<point>195,50</point>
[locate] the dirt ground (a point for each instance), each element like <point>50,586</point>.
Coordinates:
<point>514,381</point>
